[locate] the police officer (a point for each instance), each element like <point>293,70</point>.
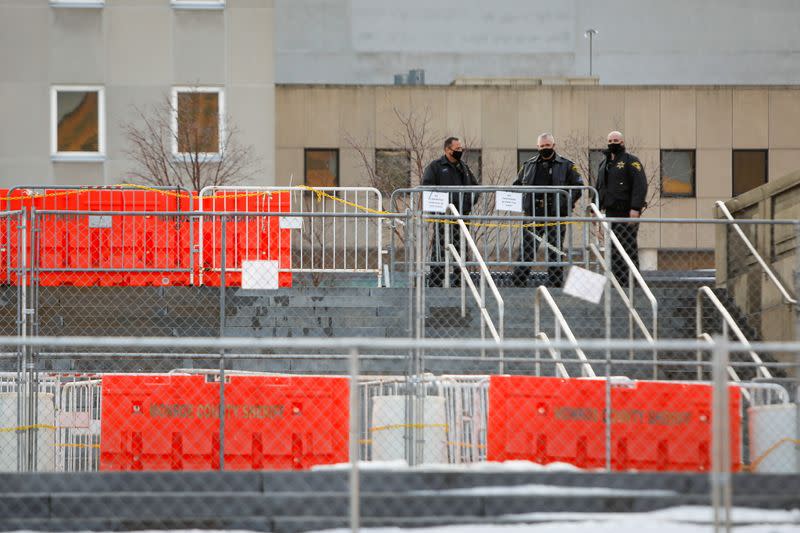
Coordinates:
<point>622,185</point>
<point>449,170</point>
<point>547,168</point>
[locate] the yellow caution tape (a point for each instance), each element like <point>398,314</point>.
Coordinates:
<point>76,445</point>
<point>319,194</point>
<point>27,428</point>
<point>754,465</point>
<point>413,426</point>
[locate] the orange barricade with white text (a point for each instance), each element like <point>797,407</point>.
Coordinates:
<point>172,422</point>
<point>656,426</point>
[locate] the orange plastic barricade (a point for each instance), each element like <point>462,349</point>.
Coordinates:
<point>171,422</point>
<point>113,250</point>
<point>655,425</point>
<point>9,241</point>
<point>247,238</point>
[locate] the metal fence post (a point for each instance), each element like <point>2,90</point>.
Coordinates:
<point>607,303</point>
<point>355,489</point>
<point>222,304</point>
<point>721,491</point>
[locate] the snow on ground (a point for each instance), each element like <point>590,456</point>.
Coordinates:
<point>684,519</point>
<point>546,490</point>
<point>486,466</point>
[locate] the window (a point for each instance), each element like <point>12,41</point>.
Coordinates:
<point>77,3</point>
<point>322,167</point>
<point>474,159</point>
<point>596,156</point>
<point>392,169</point>
<point>749,170</point>
<point>677,173</point>
<point>523,154</point>
<point>77,123</point>
<point>198,121</point>
<point>198,4</point>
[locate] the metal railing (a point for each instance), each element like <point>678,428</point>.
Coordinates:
<point>485,279</point>
<point>560,368</point>
<point>787,298</point>
<point>560,324</point>
<point>727,322</point>
<point>497,227</point>
<point>628,299</point>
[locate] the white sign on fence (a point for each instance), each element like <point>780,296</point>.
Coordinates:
<point>508,201</point>
<point>585,284</point>
<point>291,222</point>
<point>260,274</point>
<point>434,202</point>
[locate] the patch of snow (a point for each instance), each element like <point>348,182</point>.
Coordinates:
<point>485,466</point>
<point>547,490</point>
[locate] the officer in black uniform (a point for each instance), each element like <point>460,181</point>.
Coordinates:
<point>449,170</point>
<point>547,168</point>
<point>622,185</point>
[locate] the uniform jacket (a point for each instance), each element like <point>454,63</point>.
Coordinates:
<point>442,172</point>
<point>565,172</point>
<point>622,183</point>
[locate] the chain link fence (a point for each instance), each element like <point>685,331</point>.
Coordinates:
<point>505,440</point>
<point>473,346</point>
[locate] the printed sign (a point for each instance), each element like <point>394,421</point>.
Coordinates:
<point>291,222</point>
<point>508,201</point>
<point>434,202</point>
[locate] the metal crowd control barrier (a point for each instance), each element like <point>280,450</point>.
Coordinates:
<point>497,224</point>
<point>80,237</point>
<point>323,239</point>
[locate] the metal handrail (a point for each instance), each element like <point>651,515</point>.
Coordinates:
<point>560,324</point>
<point>636,274</point>
<point>728,322</point>
<point>560,368</point>
<point>486,278</point>
<point>787,298</point>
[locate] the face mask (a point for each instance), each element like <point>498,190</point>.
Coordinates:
<point>457,155</point>
<point>547,153</point>
<point>615,148</point>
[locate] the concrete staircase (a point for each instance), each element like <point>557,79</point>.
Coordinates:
<point>290,502</point>
<point>338,312</point>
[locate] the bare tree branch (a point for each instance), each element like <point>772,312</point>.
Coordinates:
<point>204,156</point>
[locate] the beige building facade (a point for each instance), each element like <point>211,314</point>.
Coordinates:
<point>701,142</point>
<point>71,72</point>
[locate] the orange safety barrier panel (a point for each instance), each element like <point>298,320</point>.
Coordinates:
<point>256,238</point>
<point>171,422</point>
<point>113,250</point>
<point>9,241</point>
<point>655,425</point>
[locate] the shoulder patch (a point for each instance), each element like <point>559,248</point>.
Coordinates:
<point>575,168</point>
<point>636,165</point>
<point>621,164</point>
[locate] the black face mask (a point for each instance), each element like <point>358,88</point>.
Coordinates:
<point>547,153</point>
<point>457,155</point>
<point>614,148</point>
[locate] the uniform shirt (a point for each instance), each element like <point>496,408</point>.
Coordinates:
<point>544,172</point>
<point>622,183</point>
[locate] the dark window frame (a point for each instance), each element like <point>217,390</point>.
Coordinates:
<point>693,153</point>
<point>765,151</point>
<point>305,163</point>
